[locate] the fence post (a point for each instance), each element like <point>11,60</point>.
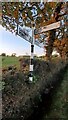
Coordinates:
<point>32,55</point>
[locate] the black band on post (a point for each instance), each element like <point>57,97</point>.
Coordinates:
<point>31,61</point>
<point>32,48</point>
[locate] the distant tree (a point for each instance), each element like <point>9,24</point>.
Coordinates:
<point>13,54</point>
<point>26,56</point>
<point>3,54</point>
<point>35,56</point>
<point>7,55</point>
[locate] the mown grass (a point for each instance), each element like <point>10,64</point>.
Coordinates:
<point>10,61</point>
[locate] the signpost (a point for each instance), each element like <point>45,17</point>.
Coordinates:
<point>22,32</point>
<point>47,28</point>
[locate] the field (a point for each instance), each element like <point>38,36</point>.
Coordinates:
<point>10,61</point>
<point>5,62</point>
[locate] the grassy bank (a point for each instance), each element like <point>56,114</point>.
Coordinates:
<point>59,105</point>
<point>21,98</point>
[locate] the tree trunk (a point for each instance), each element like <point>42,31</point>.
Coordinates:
<point>52,33</point>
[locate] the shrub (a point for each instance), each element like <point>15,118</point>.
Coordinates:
<point>3,54</point>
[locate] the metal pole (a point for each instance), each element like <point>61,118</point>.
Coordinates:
<point>32,55</point>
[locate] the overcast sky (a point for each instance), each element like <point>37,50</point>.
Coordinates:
<point>10,43</point>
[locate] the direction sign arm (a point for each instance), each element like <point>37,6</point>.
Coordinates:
<point>48,27</point>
